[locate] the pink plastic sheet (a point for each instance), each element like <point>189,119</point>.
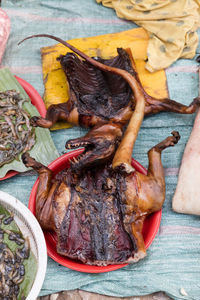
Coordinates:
<point>4,31</point>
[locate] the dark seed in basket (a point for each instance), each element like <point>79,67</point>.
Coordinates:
<point>12,270</point>
<point>7,221</point>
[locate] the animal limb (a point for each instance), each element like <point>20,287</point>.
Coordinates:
<point>155,169</point>
<point>145,194</point>
<point>154,106</point>
<point>56,112</point>
<point>44,192</point>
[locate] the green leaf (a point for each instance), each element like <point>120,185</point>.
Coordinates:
<point>44,149</point>
<point>30,273</point>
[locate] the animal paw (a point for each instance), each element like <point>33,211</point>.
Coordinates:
<point>34,121</point>
<point>40,122</point>
<point>197,100</point>
<point>28,160</point>
<point>174,138</point>
<point>170,141</point>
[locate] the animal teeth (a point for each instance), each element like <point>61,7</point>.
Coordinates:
<point>76,145</point>
<point>75,159</point>
<point>71,161</point>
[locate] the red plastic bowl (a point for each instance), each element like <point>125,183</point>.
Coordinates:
<point>37,101</point>
<point>150,229</point>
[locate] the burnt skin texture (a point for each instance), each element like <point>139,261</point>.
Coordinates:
<point>101,93</point>
<point>98,96</point>
<point>98,215</point>
<point>97,93</point>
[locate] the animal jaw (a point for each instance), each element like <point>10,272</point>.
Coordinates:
<point>100,144</point>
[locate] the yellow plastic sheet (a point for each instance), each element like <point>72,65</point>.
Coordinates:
<point>56,87</point>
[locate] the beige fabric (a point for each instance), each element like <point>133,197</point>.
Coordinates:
<point>171,25</point>
<point>186,198</point>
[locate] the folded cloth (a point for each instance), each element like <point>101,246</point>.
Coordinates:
<point>171,25</point>
<point>4,31</point>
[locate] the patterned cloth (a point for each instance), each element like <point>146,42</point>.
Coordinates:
<point>173,260</point>
<point>171,25</point>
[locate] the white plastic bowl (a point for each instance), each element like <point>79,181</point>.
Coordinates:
<point>30,228</point>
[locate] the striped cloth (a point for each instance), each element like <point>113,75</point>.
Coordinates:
<point>173,260</point>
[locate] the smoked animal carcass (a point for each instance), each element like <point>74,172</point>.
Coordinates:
<point>98,210</point>
<point>97,207</point>
<point>98,214</point>
<point>101,99</point>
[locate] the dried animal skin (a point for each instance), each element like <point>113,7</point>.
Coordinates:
<point>16,133</point>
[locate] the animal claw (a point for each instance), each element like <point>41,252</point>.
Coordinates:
<point>25,158</point>
<point>175,138</point>
<point>197,100</point>
<point>34,120</point>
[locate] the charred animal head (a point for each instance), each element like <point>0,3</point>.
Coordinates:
<point>99,144</point>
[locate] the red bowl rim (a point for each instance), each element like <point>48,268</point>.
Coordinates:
<point>37,101</point>
<point>69,263</point>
